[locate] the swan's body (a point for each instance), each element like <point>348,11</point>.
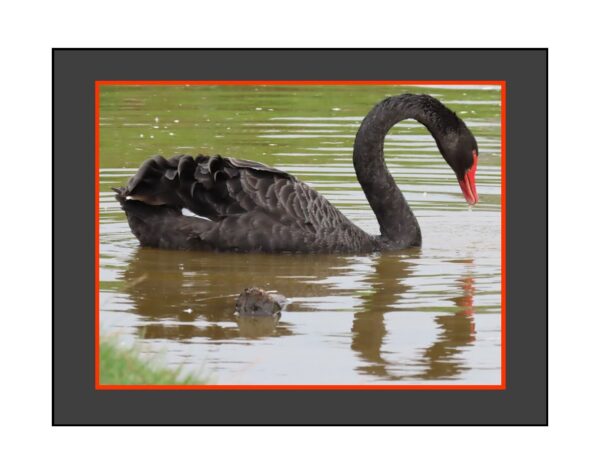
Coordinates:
<point>249,207</point>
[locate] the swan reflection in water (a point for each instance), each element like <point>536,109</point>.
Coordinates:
<point>185,295</point>
<point>369,331</point>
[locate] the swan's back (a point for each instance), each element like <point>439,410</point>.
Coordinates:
<point>243,206</point>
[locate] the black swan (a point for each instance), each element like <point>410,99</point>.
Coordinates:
<point>246,206</point>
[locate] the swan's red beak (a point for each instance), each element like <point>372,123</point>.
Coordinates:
<point>467,183</point>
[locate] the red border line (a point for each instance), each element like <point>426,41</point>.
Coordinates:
<point>501,386</point>
<point>298,82</point>
<point>503,229</point>
<point>299,387</point>
<point>97,230</point>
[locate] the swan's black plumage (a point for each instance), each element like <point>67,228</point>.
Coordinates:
<point>249,207</point>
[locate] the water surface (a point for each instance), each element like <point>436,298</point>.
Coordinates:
<point>429,315</point>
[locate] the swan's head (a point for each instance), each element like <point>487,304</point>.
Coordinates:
<point>459,149</point>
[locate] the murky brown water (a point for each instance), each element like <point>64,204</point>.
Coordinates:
<point>430,315</point>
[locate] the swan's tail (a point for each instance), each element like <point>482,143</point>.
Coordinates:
<point>120,194</point>
<point>163,226</point>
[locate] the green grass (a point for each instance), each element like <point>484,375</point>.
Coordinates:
<point>123,366</point>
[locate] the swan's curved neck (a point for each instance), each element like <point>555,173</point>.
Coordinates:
<point>398,224</point>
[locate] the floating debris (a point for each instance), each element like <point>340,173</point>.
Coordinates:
<point>258,302</point>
